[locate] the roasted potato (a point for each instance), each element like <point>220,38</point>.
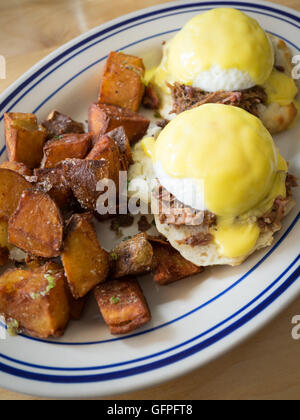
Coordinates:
<point>86,264</point>
<point>105,118</point>
<point>123,305</point>
<point>58,124</point>
<point>36,300</point>
<point>17,167</point>
<point>69,146</point>
<point>169,265</point>
<point>122,82</point>
<point>4,234</point>
<point>121,139</point>
<point>54,183</point>
<point>107,149</point>
<point>83,177</point>
<point>132,257</point>
<point>37,226</point>
<point>12,186</point>
<point>24,139</point>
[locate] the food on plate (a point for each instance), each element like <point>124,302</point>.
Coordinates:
<point>37,225</point>
<point>12,186</point>
<point>35,301</point>
<point>122,305</point>
<point>132,257</point>
<point>122,81</point>
<point>17,167</point>
<point>58,124</point>
<point>68,146</point>
<point>168,265</point>
<point>104,118</point>
<point>77,306</point>
<point>83,176</point>
<point>221,186</point>
<point>24,139</point>
<point>224,56</point>
<point>85,263</point>
<point>53,182</point>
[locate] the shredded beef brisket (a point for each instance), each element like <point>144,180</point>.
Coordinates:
<point>187,97</point>
<point>200,239</point>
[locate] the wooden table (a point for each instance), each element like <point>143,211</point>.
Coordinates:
<point>266,366</point>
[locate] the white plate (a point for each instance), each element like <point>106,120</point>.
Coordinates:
<point>195,320</point>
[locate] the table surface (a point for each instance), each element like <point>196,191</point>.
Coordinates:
<point>264,367</point>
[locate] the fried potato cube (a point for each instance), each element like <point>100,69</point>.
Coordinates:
<point>54,183</point>
<point>58,124</point>
<point>122,82</point>
<point>12,186</point>
<point>36,300</point>
<point>123,305</point>
<point>37,226</point>
<point>68,146</point>
<point>86,264</point>
<point>83,177</point>
<point>107,149</point>
<point>105,118</point>
<point>24,139</point>
<point>17,167</point>
<point>121,139</point>
<point>132,257</point>
<point>169,265</point>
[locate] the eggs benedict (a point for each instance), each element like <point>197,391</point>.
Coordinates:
<point>221,186</point>
<point>224,56</point>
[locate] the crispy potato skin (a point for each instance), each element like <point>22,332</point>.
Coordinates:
<point>24,297</point>
<point>121,139</point>
<point>69,146</point>
<point>4,256</point>
<point>18,167</point>
<point>24,140</point>
<point>104,118</point>
<point>123,305</point>
<point>107,149</point>
<point>76,305</point>
<point>86,264</point>
<point>133,257</point>
<point>37,226</point>
<point>122,81</point>
<point>58,124</point>
<point>53,182</point>
<point>83,177</point>
<point>169,266</point>
<point>12,186</point>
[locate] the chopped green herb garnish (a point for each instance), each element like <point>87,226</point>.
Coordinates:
<point>114,300</point>
<point>57,137</point>
<point>51,284</point>
<point>114,256</point>
<point>12,327</point>
<point>126,238</point>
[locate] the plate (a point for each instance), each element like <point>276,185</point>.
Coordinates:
<point>195,320</point>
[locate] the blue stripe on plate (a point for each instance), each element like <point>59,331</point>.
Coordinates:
<point>276,294</point>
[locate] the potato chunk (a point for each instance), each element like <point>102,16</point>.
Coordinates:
<point>86,264</point>
<point>24,140</point>
<point>83,177</point>
<point>4,256</point>
<point>58,124</point>
<point>169,265</point>
<point>36,300</point>
<point>37,226</point>
<point>54,183</point>
<point>122,81</point>
<point>17,167</point>
<point>123,305</point>
<point>67,147</point>
<point>12,186</point>
<point>132,257</point>
<point>105,118</point>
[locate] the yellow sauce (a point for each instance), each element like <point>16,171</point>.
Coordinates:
<point>280,88</point>
<point>224,37</point>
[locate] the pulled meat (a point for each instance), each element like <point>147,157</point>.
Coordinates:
<point>272,220</point>
<point>173,212</point>
<point>200,239</point>
<point>187,97</point>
